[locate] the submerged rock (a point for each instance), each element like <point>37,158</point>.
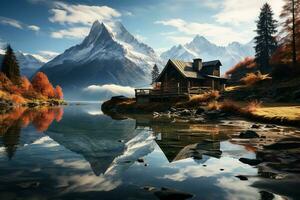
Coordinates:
<point>248,134</point>
<point>242,178</point>
<point>251,162</point>
<point>264,195</point>
<point>172,194</point>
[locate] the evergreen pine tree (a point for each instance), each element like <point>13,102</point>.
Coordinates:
<point>155,73</point>
<point>10,66</point>
<point>265,41</point>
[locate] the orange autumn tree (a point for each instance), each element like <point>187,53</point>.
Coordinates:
<point>41,84</point>
<point>59,92</point>
<point>25,84</point>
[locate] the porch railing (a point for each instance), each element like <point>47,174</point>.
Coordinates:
<point>154,92</point>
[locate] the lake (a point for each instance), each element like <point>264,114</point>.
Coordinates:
<point>77,152</point>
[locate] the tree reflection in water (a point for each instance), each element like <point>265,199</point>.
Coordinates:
<point>12,122</point>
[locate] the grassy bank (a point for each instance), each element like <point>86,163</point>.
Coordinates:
<point>284,114</point>
<point>277,114</point>
<point>266,113</point>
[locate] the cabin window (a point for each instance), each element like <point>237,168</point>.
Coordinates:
<point>216,73</point>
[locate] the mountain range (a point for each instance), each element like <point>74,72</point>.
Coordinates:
<point>200,47</point>
<point>29,63</point>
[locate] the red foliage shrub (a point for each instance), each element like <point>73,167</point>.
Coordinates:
<point>41,84</point>
<point>205,97</point>
<point>252,78</point>
<point>247,63</point>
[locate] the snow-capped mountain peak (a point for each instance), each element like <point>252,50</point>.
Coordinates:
<point>95,31</point>
<point>200,40</point>
<point>109,54</point>
<point>200,47</point>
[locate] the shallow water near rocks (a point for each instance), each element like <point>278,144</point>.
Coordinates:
<point>77,152</point>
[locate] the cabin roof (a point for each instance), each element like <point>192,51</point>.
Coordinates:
<point>186,68</point>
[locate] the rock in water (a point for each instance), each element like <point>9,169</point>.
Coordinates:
<point>251,162</point>
<point>242,178</point>
<point>266,195</point>
<point>248,134</point>
<point>171,194</point>
<point>256,126</point>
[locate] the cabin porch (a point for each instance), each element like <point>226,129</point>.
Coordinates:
<point>163,95</point>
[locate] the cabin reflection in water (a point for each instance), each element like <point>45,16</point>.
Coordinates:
<point>178,141</point>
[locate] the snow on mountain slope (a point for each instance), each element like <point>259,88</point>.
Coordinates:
<point>108,55</point>
<point>200,47</point>
<point>29,63</point>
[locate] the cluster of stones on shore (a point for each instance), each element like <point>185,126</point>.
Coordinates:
<point>190,115</point>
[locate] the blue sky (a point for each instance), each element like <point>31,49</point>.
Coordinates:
<point>44,26</point>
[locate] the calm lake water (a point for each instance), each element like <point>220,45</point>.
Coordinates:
<point>76,152</point>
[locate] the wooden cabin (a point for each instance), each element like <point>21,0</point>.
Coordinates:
<point>182,79</point>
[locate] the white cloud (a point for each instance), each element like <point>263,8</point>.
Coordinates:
<point>71,33</point>
<point>17,24</point>
<point>235,12</point>
<point>39,57</point>
<point>81,14</point>
<point>33,27</point>
<point>112,88</point>
<point>48,53</point>
<point>45,56</point>
<point>216,33</point>
<point>11,22</point>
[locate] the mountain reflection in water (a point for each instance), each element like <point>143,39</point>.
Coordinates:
<point>76,152</point>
